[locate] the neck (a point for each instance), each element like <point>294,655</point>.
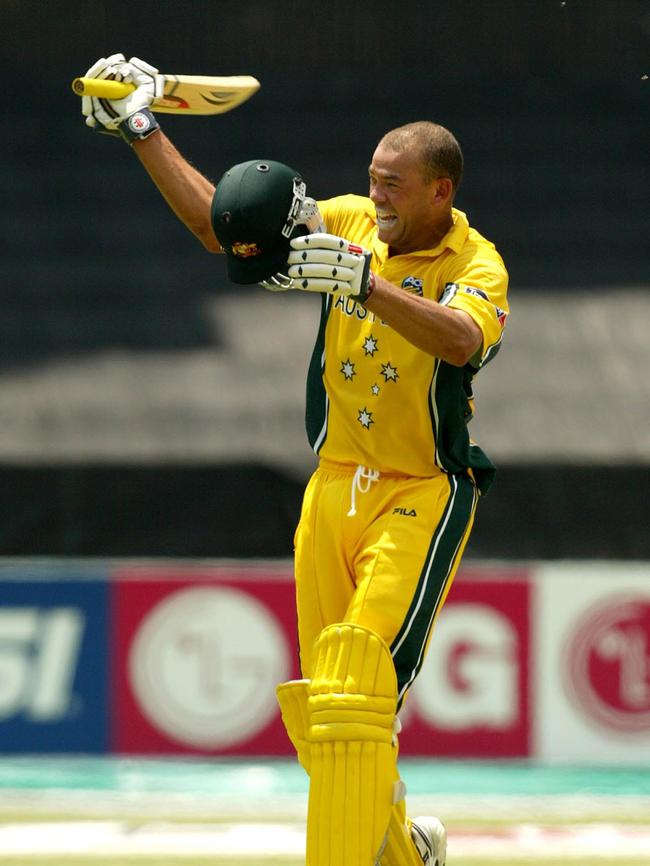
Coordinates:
<point>431,241</point>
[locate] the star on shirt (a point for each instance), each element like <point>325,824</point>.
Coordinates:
<point>389,372</point>
<point>365,418</point>
<point>375,390</point>
<point>370,345</point>
<point>347,368</point>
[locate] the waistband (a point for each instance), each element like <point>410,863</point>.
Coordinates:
<point>349,469</point>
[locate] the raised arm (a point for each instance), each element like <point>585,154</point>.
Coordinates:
<point>186,190</point>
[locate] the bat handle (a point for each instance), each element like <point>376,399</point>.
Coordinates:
<point>105,88</point>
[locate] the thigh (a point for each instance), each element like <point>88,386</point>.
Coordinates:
<point>388,568</point>
<point>406,561</point>
<point>323,566</point>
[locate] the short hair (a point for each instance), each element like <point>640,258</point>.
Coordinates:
<point>439,151</point>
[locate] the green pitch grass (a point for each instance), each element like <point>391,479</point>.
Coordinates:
<point>137,794</point>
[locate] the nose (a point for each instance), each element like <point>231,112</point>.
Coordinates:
<point>376,195</point>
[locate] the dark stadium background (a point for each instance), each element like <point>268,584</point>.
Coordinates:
<point>550,102</point>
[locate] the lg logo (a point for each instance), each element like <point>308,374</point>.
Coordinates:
<point>204,665</point>
<point>39,650</point>
<point>607,664</point>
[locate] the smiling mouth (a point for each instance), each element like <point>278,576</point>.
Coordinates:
<point>385,220</point>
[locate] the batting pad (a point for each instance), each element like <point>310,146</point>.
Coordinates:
<point>292,698</point>
<point>354,783</point>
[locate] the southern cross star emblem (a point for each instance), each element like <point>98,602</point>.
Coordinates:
<point>389,372</point>
<point>375,390</point>
<point>370,345</point>
<point>365,418</point>
<point>347,368</point>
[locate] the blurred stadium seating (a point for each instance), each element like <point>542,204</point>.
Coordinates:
<point>129,366</point>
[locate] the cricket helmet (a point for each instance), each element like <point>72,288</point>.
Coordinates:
<point>258,206</point>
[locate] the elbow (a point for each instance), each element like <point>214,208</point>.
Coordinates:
<point>456,358</point>
<point>466,343</point>
<point>462,351</point>
<point>206,235</point>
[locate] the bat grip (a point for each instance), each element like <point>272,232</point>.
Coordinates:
<point>104,88</point>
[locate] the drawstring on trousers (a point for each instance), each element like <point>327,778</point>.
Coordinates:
<point>363,478</point>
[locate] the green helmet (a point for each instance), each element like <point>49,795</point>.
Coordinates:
<point>257,208</point>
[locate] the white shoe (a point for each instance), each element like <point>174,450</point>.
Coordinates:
<point>430,838</point>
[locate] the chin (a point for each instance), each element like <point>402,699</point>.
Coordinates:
<point>388,236</point>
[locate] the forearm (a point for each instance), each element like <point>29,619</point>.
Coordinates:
<point>187,192</point>
<point>444,332</point>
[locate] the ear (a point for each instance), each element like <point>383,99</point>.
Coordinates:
<point>443,190</point>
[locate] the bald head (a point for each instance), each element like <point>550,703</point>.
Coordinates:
<point>435,146</point>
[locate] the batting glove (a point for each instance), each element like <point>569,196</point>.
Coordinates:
<point>326,263</point>
<point>129,117</point>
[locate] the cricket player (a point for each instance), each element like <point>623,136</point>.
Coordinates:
<point>413,305</point>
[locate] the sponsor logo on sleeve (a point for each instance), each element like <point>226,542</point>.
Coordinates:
<point>478,293</point>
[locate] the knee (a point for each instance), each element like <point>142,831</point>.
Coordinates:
<point>353,692</point>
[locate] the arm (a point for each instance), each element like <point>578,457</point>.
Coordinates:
<point>444,332</point>
<point>187,192</point>
<point>321,262</point>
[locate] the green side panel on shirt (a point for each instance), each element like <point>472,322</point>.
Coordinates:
<point>316,403</point>
<point>452,411</point>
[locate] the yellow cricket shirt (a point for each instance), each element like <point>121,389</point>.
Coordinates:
<point>375,399</point>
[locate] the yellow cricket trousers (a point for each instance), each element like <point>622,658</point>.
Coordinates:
<point>379,551</point>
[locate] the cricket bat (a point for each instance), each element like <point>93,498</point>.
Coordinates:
<point>183,94</point>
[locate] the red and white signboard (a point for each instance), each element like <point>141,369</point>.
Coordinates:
<point>471,696</point>
<point>549,661</point>
<point>199,651</point>
<point>592,683</point>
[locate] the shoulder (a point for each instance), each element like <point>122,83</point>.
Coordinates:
<point>345,213</point>
<point>476,253</point>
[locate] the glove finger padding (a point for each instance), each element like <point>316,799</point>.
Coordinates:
<point>140,72</point>
<point>323,241</point>
<point>110,113</point>
<point>331,272</point>
<point>102,67</point>
<point>327,263</point>
<point>323,256</point>
<point>322,284</point>
<point>91,108</point>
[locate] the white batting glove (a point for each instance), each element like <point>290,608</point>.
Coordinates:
<point>110,114</point>
<point>326,263</point>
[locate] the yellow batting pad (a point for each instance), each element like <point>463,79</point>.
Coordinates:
<point>292,698</point>
<point>351,704</point>
<point>400,849</point>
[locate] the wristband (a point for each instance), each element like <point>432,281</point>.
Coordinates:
<point>362,297</point>
<point>138,126</point>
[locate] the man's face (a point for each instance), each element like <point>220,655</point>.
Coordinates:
<point>408,209</point>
